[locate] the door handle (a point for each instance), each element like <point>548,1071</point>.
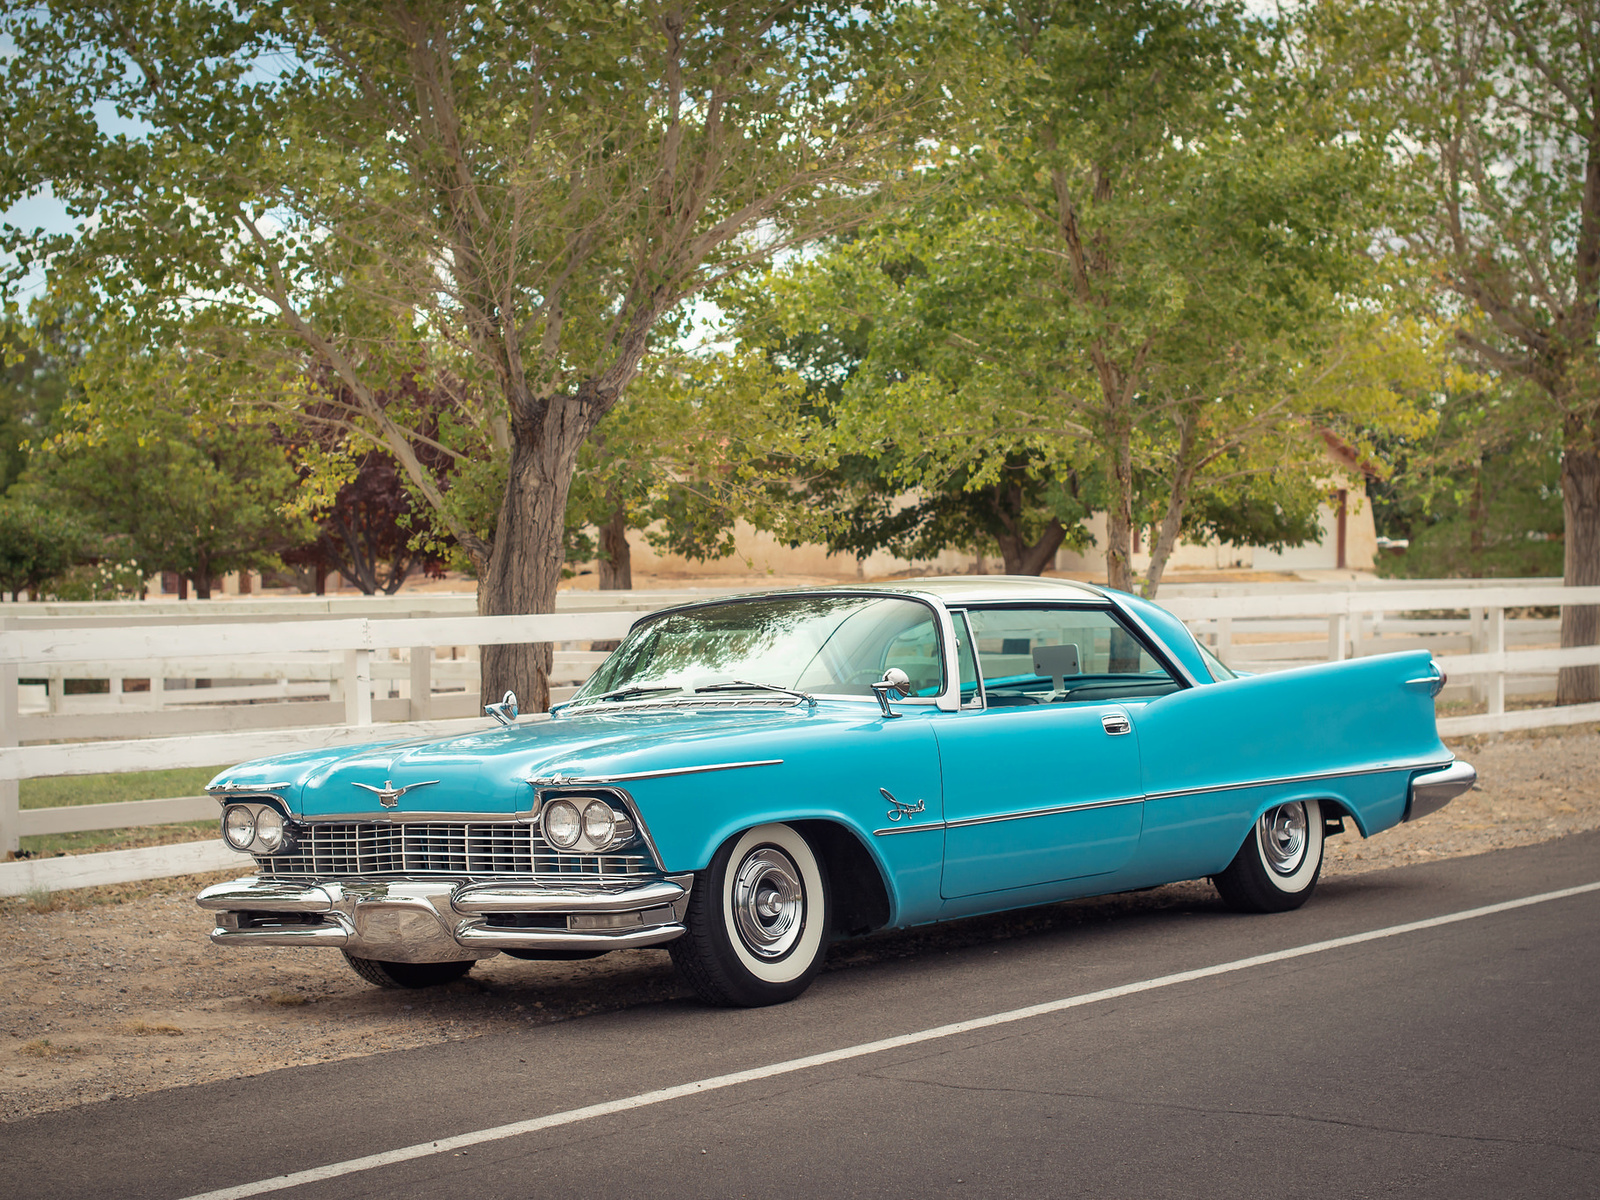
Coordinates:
<point>1116,723</point>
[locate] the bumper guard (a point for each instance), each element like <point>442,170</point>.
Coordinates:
<point>416,921</point>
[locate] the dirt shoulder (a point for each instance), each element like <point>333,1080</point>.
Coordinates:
<point>118,990</point>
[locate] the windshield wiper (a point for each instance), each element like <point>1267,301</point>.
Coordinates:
<point>623,692</point>
<point>735,684</point>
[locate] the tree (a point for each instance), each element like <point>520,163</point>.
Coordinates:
<point>36,362</point>
<point>518,194</point>
<point>1149,275</point>
<point>186,494</point>
<point>37,545</point>
<point>1481,496</point>
<point>371,529</point>
<point>1496,107</point>
<point>1023,512</point>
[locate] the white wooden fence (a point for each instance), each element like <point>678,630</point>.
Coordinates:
<point>321,678</point>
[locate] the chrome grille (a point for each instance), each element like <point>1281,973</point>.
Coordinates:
<point>443,848</point>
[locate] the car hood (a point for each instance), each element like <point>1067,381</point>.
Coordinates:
<point>487,770</point>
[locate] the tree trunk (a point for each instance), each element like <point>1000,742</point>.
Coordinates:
<point>1020,558</point>
<point>1580,503</point>
<point>1167,539</point>
<point>1119,513</point>
<point>1477,522</point>
<point>616,559</point>
<point>525,565</point>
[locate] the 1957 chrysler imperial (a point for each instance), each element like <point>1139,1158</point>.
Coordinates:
<point>745,779</point>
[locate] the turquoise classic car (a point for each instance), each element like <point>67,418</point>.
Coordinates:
<point>745,780</point>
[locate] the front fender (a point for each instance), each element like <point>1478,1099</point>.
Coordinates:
<point>837,774</point>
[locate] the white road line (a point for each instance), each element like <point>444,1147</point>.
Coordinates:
<point>733,1079</point>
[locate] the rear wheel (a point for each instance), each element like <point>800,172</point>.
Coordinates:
<point>757,920</point>
<point>407,975</point>
<point>1277,867</point>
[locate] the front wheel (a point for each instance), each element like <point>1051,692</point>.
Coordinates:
<point>757,920</point>
<point>407,975</point>
<point>1279,863</point>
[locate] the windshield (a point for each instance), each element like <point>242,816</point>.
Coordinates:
<point>833,645</point>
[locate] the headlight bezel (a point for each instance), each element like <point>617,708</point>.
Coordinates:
<point>620,829</point>
<point>259,814</point>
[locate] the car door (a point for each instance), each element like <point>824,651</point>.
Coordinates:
<point>1042,775</point>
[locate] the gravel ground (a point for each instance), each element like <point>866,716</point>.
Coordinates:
<point>117,991</point>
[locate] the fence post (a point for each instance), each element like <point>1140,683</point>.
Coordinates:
<point>1338,623</point>
<point>358,687</point>
<point>1475,645</point>
<point>10,816</point>
<point>421,682</point>
<point>1224,640</point>
<point>1495,637</point>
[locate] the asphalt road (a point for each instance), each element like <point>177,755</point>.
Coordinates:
<point>1459,1060</point>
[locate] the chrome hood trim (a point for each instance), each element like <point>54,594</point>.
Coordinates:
<point>558,780</point>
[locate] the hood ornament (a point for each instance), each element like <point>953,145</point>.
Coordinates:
<point>389,795</point>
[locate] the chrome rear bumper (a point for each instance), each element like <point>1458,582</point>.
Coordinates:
<point>438,921</point>
<point>1431,792</point>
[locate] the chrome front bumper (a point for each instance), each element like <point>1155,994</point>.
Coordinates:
<point>1431,792</point>
<point>438,921</point>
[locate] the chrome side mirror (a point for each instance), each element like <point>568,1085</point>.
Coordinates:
<point>895,682</point>
<point>506,711</point>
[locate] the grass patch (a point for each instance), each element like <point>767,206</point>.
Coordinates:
<point>44,1048</point>
<point>286,999</point>
<point>39,900</point>
<point>85,841</point>
<point>64,790</point>
<point>146,1029</point>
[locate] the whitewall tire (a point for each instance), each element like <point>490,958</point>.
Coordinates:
<point>1278,866</point>
<point>758,920</point>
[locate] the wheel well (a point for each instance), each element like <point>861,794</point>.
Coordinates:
<point>860,899</point>
<point>1334,816</point>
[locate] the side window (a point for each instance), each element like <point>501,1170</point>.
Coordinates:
<point>916,652</point>
<point>1062,655</point>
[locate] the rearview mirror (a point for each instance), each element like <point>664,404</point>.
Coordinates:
<point>506,711</point>
<point>894,682</point>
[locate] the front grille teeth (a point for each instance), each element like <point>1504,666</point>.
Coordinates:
<point>442,848</point>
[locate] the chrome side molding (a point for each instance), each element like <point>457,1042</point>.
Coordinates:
<point>1432,791</point>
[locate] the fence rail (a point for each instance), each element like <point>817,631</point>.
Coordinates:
<point>323,677</point>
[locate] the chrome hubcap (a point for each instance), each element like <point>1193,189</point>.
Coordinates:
<point>1283,837</point>
<point>769,902</point>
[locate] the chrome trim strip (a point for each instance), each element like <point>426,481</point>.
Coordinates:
<point>1051,811</point>
<point>311,935</point>
<point>481,937</point>
<point>476,899</point>
<point>231,787</point>
<point>545,781</point>
<point>386,816</point>
<point>1313,776</point>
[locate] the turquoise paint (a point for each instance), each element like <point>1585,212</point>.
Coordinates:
<point>1230,750</point>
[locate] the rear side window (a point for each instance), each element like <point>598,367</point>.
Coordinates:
<point>1062,655</point>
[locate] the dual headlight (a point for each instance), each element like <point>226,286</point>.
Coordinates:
<point>255,829</point>
<point>584,825</point>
